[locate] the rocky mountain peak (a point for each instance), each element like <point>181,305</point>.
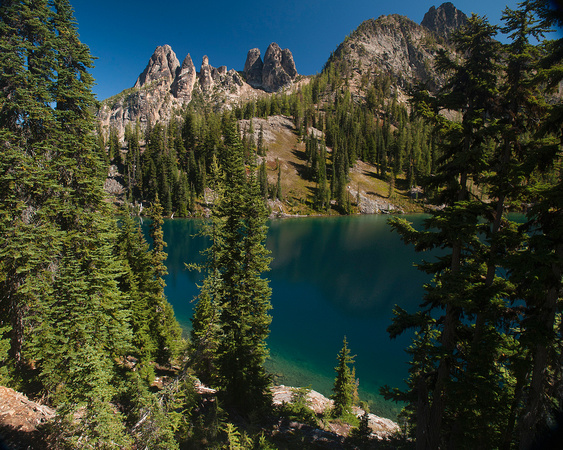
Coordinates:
<point>393,46</point>
<point>444,20</point>
<point>279,68</point>
<point>205,75</point>
<point>162,65</point>
<point>183,85</point>
<point>165,87</point>
<point>288,64</point>
<point>273,53</point>
<point>253,67</point>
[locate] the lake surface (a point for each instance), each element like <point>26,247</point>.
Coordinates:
<point>330,278</point>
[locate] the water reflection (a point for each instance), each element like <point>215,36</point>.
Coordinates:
<point>330,277</point>
<point>361,268</point>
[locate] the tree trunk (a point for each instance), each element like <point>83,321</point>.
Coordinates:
<point>17,330</point>
<point>422,415</point>
<point>537,394</point>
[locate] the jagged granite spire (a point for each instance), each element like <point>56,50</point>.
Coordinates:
<point>253,68</point>
<point>444,20</point>
<point>205,74</point>
<point>183,85</point>
<point>163,64</point>
<point>279,68</point>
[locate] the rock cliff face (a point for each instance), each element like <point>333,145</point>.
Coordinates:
<point>253,68</point>
<point>205,76</point>
<point>164,87</point>
<point>161,67</point>
<point>273,73</point>
<point>444,20</point>
<point>288,64</point>
<point>393,46</point>
<point>277,70</point>
<point>396,46</point>
<point>211,78</point>
<point>183,85</point>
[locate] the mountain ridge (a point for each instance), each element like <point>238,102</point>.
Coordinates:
<point>444,20</point>
<point>390,45</point>
<point>396,46</point>
<point>165,87</point>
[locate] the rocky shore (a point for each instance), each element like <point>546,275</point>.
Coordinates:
<point>22,421</point>
<point>381,428</point>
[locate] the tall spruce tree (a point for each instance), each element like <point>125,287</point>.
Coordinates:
<point>62,302</point>
<point>234,287</point>
<point>344,383</point>
<point>439,399</point>
<point>136,281</point>
<point>473,341</point>
<point>165,328</point>
<point>533,72</point>
<point>25,121</point>
<point>61,306</point>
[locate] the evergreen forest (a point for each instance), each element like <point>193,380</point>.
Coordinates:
<point>175,160</point>
<point>85,326</point>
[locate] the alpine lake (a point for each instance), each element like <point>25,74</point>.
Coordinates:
<point>330,277</point>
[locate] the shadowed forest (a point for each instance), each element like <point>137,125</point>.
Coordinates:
<point>85,326</point>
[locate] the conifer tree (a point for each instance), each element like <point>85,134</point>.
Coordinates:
<point>114,147</point>
<point>64,303</point>
<point>344,383</point>
<point>60,296</point>
<point>533,125</point>
<point>278,192</point>
<point>244,294</point>
<point>263,179</point>
<point>235,292</point>
<point>360,436</point>
<point>470,90</point>
<point>137,281</point>
<point>164,326</point>
<point>483,346</point>
<point>183,197</point>
<point>26,231</point>
<point>261,150</point>
<point>340,178</point>
<point>322,193</point>
<point>205,333</point>
<point>132,164</point>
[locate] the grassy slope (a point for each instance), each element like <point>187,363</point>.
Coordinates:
<point>285,149</point>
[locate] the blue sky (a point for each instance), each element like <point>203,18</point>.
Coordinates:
<point>123,34</point>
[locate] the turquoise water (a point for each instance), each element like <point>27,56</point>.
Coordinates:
<point>330,278</point>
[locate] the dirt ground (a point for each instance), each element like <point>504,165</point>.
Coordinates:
<point>20,420</point>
